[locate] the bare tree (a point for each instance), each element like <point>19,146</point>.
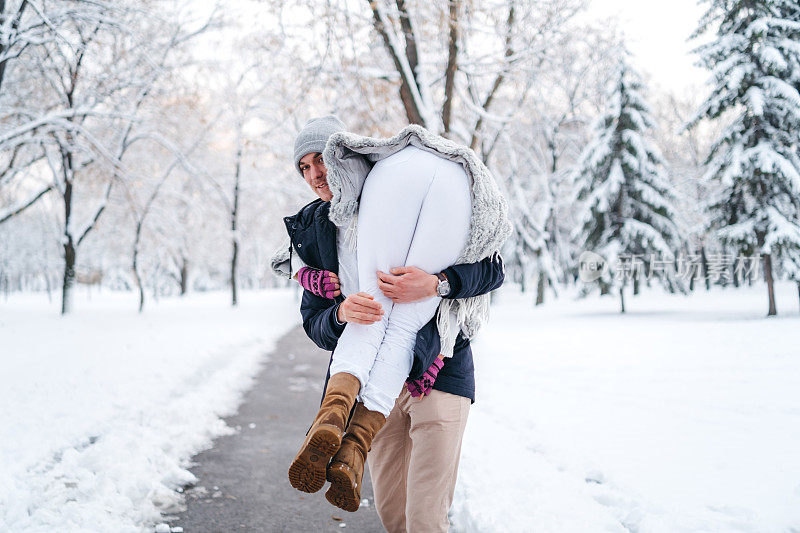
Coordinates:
<point>93,70</point>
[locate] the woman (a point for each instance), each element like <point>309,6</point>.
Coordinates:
<point>417,206</point>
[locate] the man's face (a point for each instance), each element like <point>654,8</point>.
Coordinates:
<point>316,175</point>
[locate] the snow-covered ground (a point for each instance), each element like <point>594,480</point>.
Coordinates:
<point>682,415</point>
<point>100,411</point>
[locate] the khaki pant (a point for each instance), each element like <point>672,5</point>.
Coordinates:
<point>414,461</point>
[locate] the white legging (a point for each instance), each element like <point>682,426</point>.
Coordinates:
<point>415,210</point>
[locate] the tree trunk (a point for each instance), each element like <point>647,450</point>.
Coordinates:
<point>234,216</point>
<point>621,299</point>
<point>184,275</point>
<point>407,86</point>
<point>636,284</point>
<point>17,17</point>
<point>498,81</point>
<point>798,290</point>
<point>48,286</point>
<point>233,271</point>
<point>69,275</point>
<point>540,289</point>
<point>770,285</point>
<point>704,266</point>
<point>69,246</point>
<point>135,264</point>
<point>138,280</point>
<point>450,71</point>
<point>604,288</point>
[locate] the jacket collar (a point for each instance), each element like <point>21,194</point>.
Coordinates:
<point>313,236</point>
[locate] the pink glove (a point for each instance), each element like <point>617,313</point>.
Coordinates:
<point>318,282</point>
<point>424,385</point>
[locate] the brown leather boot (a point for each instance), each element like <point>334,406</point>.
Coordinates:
<point>307,471</point>
<point>347,466</point>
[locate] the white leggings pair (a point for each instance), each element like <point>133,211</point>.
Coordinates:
<point>415,210</point>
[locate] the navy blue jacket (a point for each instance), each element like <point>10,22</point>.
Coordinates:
<point>313,238</point>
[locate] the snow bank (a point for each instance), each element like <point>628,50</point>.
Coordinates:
<point>682,415</point>
<point>102,409</point>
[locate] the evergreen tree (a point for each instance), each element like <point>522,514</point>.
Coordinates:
<point>627,213</point>
<point>755,64</point>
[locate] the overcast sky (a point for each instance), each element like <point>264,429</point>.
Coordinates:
<point>656,32</point>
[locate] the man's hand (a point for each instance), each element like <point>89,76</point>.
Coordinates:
<point>407,284</point>
<point>359,308</point>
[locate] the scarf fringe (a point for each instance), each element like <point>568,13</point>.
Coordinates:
<point>351,234</point>
<point>464,315</point>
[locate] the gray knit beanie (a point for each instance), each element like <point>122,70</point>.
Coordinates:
<point>314,136</point>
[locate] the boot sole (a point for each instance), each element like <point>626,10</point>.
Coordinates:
<point>342,492</point>
<point>307,471</point>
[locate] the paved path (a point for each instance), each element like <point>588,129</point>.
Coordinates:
<point>243,483</point>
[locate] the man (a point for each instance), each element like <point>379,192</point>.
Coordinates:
<point>414,458</point>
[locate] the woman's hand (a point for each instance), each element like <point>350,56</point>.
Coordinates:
<point>359,308</point>
<point>407,284</point>
<point>424,385</point>
<point>322,283</point>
